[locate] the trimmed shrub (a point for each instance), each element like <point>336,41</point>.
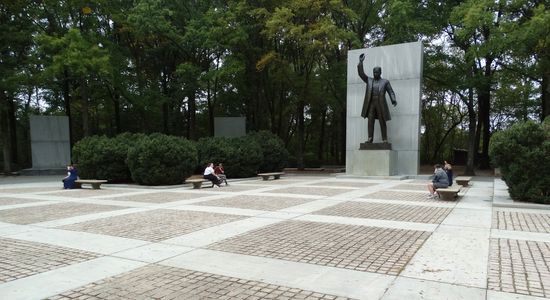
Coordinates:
<point>214,149</point>
<point>159,159</point>
<point>241,157</point>
<point>86,155</point>
<point>246,157</point>
<point>275,155</point>
<point>101,157</point>
<point>521,152</point>
<point>113,157</point>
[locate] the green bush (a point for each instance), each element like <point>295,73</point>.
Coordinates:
<point>275,155</point>
<point>241,157</point>
<point>160,159</point>
<point>104,158</point>
<point>85,155</point>
<point>521,152</point>
<point>215,150</point>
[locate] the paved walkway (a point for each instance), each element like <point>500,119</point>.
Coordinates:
<point>300,237</point>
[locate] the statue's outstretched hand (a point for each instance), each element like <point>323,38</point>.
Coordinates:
<point>394,104</point>
<point>361,57</point>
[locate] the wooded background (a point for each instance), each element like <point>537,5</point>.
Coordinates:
<point>172,66</point>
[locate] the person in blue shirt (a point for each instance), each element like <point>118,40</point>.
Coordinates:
<point>440,180</point>
<point>72,176</point>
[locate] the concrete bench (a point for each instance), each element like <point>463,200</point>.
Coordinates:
<point>449,193</point>
<point>197,183</point>
<point>463,180</point>
<point>96,184</point>
<point>276,175</point>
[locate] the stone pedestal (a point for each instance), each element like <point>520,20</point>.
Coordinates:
<point>371,162</point>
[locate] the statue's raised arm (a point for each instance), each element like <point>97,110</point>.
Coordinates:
<point>360,69</point>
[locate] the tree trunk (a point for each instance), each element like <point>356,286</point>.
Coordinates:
<point>85,107</point>
<point>67,99</point>
<point>4,133</point>
<point>322,135</point>
<point>545,95</point>
<point>192,121</point>
<point>12,126</point>
<point>485,112</point>
<point>472,149</point>
<point>301,135</point>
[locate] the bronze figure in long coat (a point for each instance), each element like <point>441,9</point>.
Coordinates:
<point>374,103</point>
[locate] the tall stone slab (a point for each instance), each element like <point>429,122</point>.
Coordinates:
<point>50,143</point>
<point>229,126</point>
<point>402,65</point>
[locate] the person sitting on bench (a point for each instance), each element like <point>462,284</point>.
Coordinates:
<point>210,175</point>
<point>72,176</point>
<point>441,180</point>
<point>219,171</point>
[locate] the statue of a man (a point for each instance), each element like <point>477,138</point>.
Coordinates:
<point>374,104</point>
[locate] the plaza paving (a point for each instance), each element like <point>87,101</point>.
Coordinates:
<point>300,237</point>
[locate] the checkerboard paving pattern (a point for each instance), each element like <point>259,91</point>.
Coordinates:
<point>509,220</point>
<point>161,282</point>
<point>29,190</point>
<point>158,197</point>
<point>412,186</point>
<point>350,184</point>
<point>362,248</point>
<point>12,201</point>
<point>268,203</point>
<point>316,191</point>
<point>394,212</point>
<point>521,267</point>
<point>80,193</point>
<point>154,226</point>
<point>20,259</point>
<point>35,214</point>
<point>405,196</point>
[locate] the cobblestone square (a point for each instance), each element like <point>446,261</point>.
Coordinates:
<point>394,212</point>
<point>154,226</point>
<point>268,203</point>
<point>48,212</point>
<point>176,283</point>
<point>405,196</point>
<point>158,197</point>
<point>521,267</point>
<point>28,190</point>
<point>12,201</point>
<point>509,220</point>
<point>412,186</point>
<point>313,191</point>
<point>19,259</point>
<point>86,192</point>
<point>361,248</point>
<point>342,183</point>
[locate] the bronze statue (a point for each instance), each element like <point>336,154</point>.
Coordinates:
<point>374,104</point>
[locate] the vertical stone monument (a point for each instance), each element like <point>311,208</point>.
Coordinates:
<point>50,145</point>
<point>397,154</point>
<point>229,126</point>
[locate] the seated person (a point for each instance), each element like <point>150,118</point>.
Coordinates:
<point>72,176</point>
<point>441,180</point>
<point>210,175</point>
<point>218,170</point>
<point>449,170</point>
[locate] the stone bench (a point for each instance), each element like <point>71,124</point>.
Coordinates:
<point>197,183</point>
<point>463,180</point>
<point>449,193</point>
<point>96,184</point>
<point>276,175</point>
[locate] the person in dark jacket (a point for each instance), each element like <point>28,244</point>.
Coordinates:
<point>72,176</point>
<point>440,180</point>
